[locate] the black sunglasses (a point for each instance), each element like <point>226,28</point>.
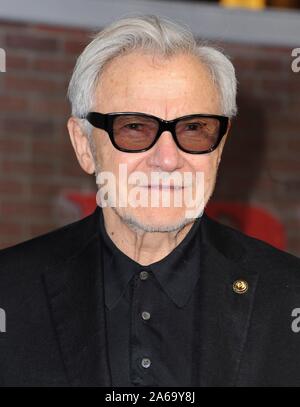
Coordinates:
<point>137,132</point>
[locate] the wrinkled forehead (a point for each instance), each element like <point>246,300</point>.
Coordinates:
<point>137,80</point>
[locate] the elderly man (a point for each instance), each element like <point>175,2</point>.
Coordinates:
<point>148,291</point>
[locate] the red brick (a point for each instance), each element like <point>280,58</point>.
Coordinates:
<point>71,168</point>
<point>9,228</point>
<point>44,189</point>
<point>259,65</point>
<point>256,51</point>
<point>58,30</point>
<point>55,107</point>
<point>53,65</point>
<point>17,210</point>
<point>8,24</point>
<point>74,47</point>
<point>33,85</point>
<point>16,62</point>
<point>26,168</point>
<point>35,127</point>
<point>294,85</point>
<point>12,145</point>
<point>30,42</point>
<point>274,86</point>
<point>284,166</point>
<point>293,145</point>
<point>10,103</point>
<point>46,147</point>
<point>11,188</point>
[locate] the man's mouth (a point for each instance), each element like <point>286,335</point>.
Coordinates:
<point>164,187</point>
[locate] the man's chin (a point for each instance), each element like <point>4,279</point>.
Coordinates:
<point>155,219</point>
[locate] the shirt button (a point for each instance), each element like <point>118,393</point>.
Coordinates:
<point>144,275</point>
<point>146,363</point>
<point>146,315</point>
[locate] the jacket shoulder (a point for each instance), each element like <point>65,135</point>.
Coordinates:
<point>50,248</point>
<point>252,252</point>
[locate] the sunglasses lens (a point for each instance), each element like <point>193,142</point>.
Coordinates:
<point>198,133</point>
<point>134,132</point>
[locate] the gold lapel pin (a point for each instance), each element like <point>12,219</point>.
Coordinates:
<point>240,286</point>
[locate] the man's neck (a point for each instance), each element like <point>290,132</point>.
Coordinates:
<point>143,247</point>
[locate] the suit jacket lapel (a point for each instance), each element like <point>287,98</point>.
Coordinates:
<point>75,293</point>
<point>223,316</point>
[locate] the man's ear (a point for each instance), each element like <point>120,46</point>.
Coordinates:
<point>81,145</point>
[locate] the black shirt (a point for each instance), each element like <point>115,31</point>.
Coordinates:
<point>150,313</point>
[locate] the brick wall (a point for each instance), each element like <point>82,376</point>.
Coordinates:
<point>260,165</point>
<point>261,162</point>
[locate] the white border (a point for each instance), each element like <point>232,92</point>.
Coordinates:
<point>269,27</point>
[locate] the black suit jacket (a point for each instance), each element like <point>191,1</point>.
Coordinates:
<point>51,289</point>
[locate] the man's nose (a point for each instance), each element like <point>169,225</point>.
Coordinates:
<point>166,155</point>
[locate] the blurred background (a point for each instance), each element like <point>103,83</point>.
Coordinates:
<point>41,185</point>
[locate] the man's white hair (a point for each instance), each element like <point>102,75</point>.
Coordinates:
<point>152,34</point>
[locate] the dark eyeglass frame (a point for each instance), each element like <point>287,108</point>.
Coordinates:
<point>105,122</point>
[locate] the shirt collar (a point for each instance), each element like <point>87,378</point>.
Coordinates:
<point>177,273</point>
